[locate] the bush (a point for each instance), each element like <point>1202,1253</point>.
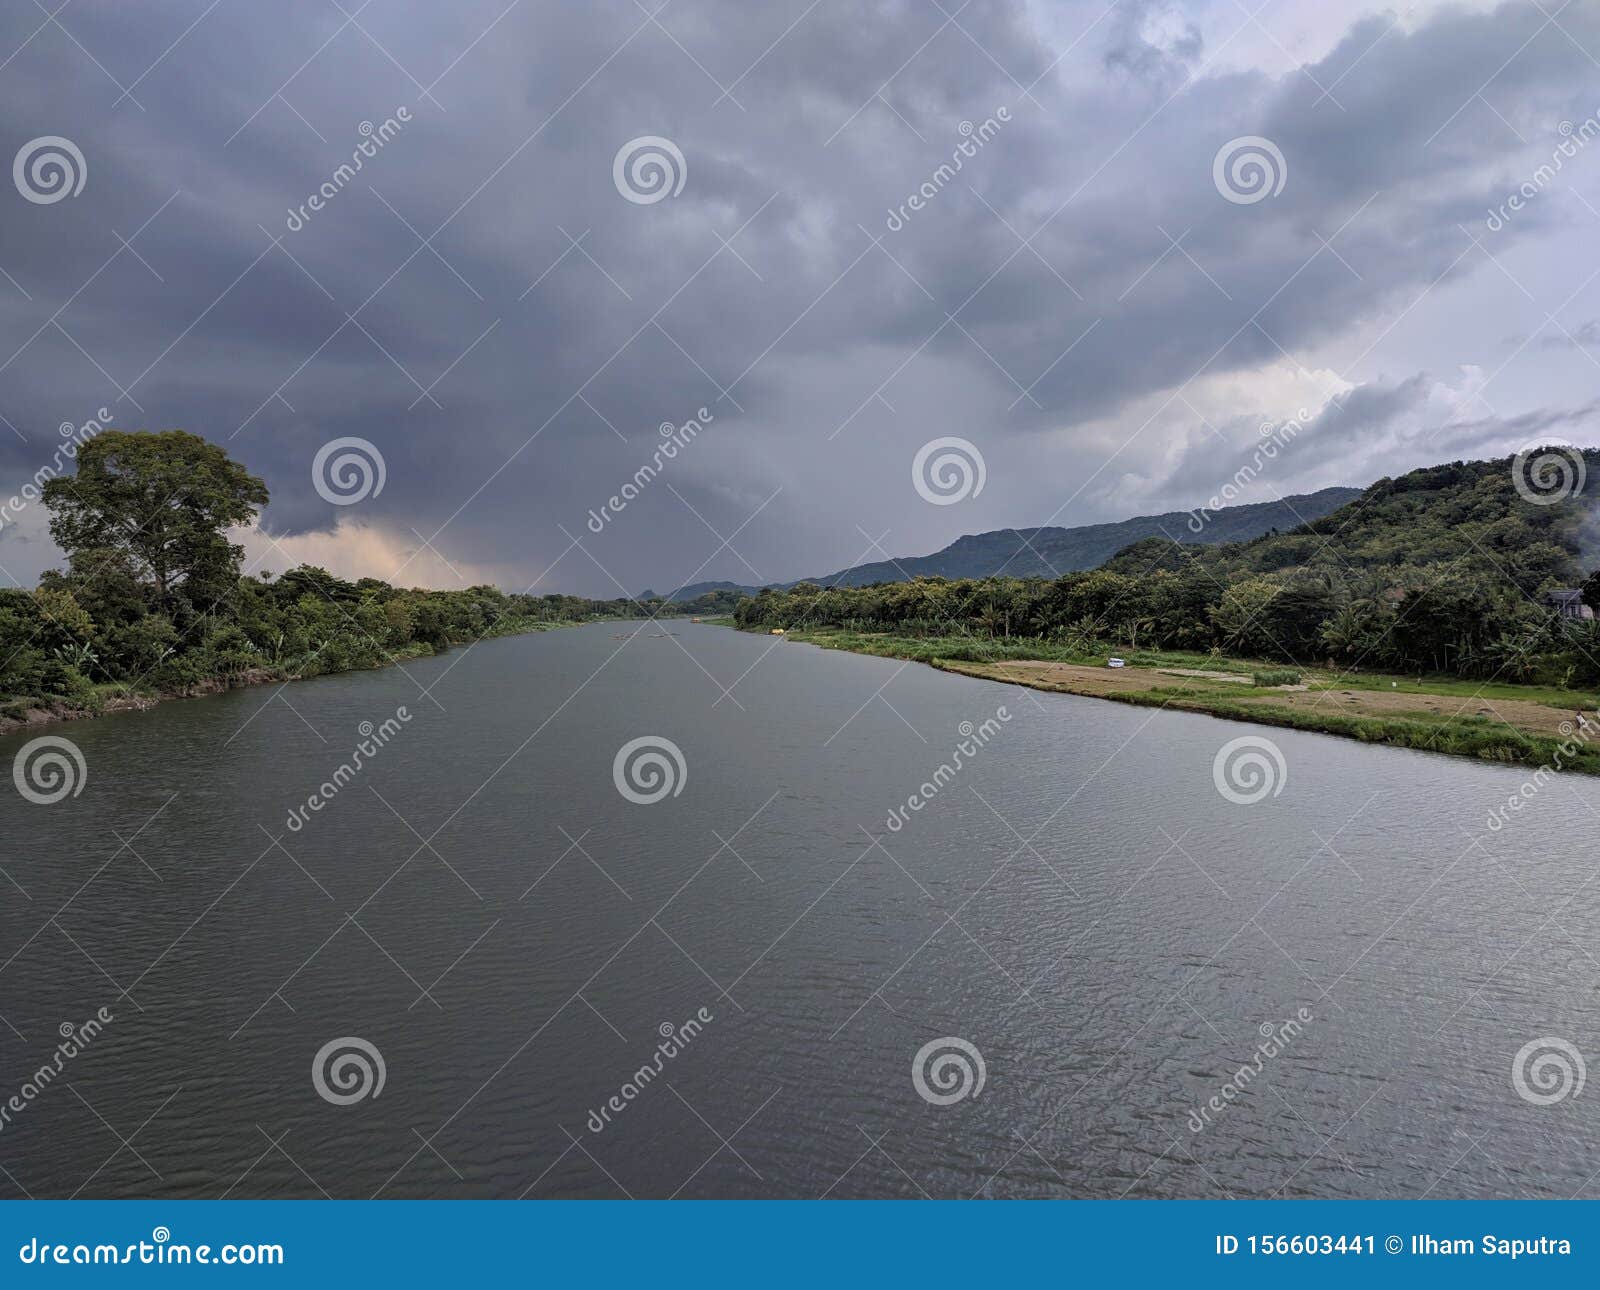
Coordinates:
<point>131,651</point>
<point>1277,676</point>
<point>178,673</point>
<point>227,651</point>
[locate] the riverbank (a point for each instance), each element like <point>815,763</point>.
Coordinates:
<point>1512,724</point>
<point>28,714</point>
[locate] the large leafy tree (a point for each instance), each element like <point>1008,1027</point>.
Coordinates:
<point>165,502</point>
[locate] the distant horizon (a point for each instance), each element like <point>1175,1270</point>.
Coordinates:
<point>275,547</point>
<point>251,568</point>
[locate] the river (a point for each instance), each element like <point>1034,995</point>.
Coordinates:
<point>1109,936</point>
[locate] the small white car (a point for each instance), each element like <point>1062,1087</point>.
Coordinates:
<point>1115,662</point>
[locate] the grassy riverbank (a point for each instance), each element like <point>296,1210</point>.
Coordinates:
<point>153,603</point>
<point>97,700</point>
<point>1501,722</point>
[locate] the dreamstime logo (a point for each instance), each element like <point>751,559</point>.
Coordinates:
<point>1545,474</point>
<point>1575,737</point>
<point>973,739</point>
<point>373,740</point>
<point>1275,1037</point>
<point>648,169</point>
<point>74,437</point>
<point>347,1070</point>
<point>1249,169</point>
<point>948,1070</point>
<point>648,769</point>
<point>49,168</point>
<point>372,139</point>
<point>674,439</point>
<point>948,470</point>
<point>160,1250</point>
<point>349,470</point>
<point>1248,768</point>
<point>48,768</point>
<point>1573,140</point>
<point>74,1039</point>
<point>1546,1071</point>
<point>1275,437</point>
<point>674,1039</point>
<point>972,139</point>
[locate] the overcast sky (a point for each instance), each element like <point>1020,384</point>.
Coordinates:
<point>1099,303</point>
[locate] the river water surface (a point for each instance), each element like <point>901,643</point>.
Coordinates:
<point>1078,902</point>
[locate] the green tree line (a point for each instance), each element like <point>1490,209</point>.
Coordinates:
<point>1441,570</point>
<point>152,599</point>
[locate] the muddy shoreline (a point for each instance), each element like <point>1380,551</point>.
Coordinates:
<point>37,718</point>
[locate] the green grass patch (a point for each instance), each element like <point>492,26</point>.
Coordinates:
<point>985,649</point>
<point>979,649</point>
<point>1475,736</point>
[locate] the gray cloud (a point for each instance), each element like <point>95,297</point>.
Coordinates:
<point>827,347</point>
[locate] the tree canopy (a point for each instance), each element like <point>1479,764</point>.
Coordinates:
<point>162,501</point>
<point>152,598</point>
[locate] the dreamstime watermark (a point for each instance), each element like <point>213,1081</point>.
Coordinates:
<point>348,1070</point>
<point>74,1039</point>
<point>348,470</point>
<point>948,1070</point>
<point>674,439</point>
<point>1573,141</point>
<point>373,740</point>
<point>1249,169</point>
<point>49,168</point>
<point>1275,1037</point>
<point>1247,769</point>
<point>1549,1070</point>
<point>948,470</point>
<point>674,1039</point>
<point>1546,474</point>
<point>73,437</point>
<point>973,738</point>
<point>372,140</point>
<point>648,769</point>
<point>648,169</point>
<point>1575,737</point>
<point>973,138</point>
<point>49,768</point>
<point>1275,436</point>
<point>160,1250</point>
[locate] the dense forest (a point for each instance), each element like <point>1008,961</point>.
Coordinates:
<point>1441,570</point>
<point>152,600</point>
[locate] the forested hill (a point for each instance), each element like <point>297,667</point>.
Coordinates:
<point>1468,515</point>
<point>1444,570</point>
<point>1048,551</point>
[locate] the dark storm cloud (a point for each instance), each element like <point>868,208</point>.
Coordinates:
<point>514,380</point>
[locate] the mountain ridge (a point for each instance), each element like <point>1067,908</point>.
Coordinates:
<point>1048,551</point>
